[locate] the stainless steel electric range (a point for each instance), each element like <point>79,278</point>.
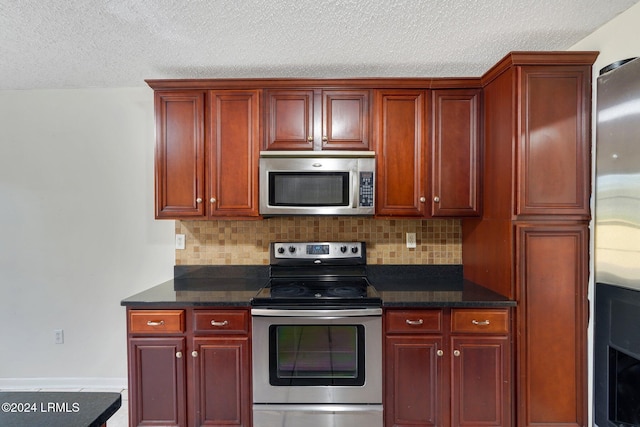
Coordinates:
<point>317,339</point>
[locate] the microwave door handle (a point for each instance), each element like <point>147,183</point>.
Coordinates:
<point>355,191</point>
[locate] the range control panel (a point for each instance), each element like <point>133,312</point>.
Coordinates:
<point>315,250</point>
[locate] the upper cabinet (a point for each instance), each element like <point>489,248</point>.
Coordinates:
<point>553,175</point>
<point>179,179</point>
<point>316,119</point>
<point>207,154</point>
<point>455,165</point>
<point>401,154</point>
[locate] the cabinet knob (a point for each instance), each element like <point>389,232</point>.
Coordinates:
<point>440,353</point>
<point>456,353</point>
<point>199,200</point>
<point>194,353</point>
<point>213,200</point>
<point>422,199</point>
<point>325,139</point>
<point>436,199</point>
<point>178,355</point>
<point>310,138</point>
<point>219,324</point>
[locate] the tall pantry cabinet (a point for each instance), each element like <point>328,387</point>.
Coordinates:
<point>532,242</point>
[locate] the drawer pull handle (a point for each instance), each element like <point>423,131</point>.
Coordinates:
<point>155,322</point>
<point>214,323</point>
<point>480,322</point>
<point>414,322</point>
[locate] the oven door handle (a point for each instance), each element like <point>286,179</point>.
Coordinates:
<point>348,312</point>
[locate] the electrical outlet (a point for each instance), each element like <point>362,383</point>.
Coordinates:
<point>411,240</point>
<point>180,241</point>
<point>58,336</point>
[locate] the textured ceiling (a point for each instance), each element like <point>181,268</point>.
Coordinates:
<point>117,43</point>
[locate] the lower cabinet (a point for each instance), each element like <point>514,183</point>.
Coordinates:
<point>189,373</point>
<point>447,367</point>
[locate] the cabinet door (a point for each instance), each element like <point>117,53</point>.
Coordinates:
<point>400,153</point>
<point>554,141</point>
<point>179,178</point>
<point>233,153</point>
<point>480,381</point>
<point>222,381</point>
<point>455,152</point>
<point>413,381</point>
<point>289,117</point>
<point>345,119</point>
<point>552,277</point>
<point>157,382</point>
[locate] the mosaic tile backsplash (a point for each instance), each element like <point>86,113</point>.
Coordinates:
<point>247,242</point>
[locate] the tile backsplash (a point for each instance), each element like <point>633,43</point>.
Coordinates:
<point>439,241</point>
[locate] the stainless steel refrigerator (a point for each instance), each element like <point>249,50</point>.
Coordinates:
<point>617,247</point>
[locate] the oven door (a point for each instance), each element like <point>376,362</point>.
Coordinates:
<point>317,356</point>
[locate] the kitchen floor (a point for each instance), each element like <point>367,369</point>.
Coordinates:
<point>119,419</point>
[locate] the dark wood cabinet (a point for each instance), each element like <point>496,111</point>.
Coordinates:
<point>233,149</point>
<point>189,367</point>
<point>551,280</point>
<point>553,175</point>
<point>480,354</point>
<point>400,153</point>
<point>157,381</point>
<point>221,381</point>
<point>207,154</point>
<point>180,168</point>
<point>532,242</point>
<point>455,165</point>
<point>308,119</point>
<point>447,367</point>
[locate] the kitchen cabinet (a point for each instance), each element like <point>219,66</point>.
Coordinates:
<point>532,241</point>
<point>447,367</point>
<point>180,168</point>
<point>400,153</point>
<point>207,154</point>
<point>455,165</point>
<point>317,119</point>
<point>198,374</point>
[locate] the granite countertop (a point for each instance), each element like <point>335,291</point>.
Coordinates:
<point>398,285</point>
<point>57,409</point>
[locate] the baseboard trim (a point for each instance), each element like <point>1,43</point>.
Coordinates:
<point>63,383</point>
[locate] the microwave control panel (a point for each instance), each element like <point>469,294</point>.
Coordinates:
<point>366,189</point>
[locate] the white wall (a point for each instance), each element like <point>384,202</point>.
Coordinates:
<point>77,232</point>
<point>618,39</point>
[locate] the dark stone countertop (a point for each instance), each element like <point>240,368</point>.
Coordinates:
<point>398,285</point>
<point>57,409</point>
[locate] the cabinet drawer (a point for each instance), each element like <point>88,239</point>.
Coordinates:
<point>156,321</point>
<point>480,320</point>
<point>221,321</point>
<point>413,321</point>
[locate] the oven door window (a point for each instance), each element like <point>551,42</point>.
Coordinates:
<point>309,189</point>
<point>316,355</point>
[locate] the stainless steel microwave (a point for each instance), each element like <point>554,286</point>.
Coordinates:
<point>317,183</point>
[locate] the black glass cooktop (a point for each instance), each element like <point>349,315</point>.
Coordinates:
<point>338,291</point>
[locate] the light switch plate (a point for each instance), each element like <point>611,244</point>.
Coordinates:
<point>180,241</point>
<point>411,240</point>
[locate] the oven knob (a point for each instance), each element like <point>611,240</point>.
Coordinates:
<point>343,249</point>
<point>292,249</point>
<point>281,250</point>
<point>354,249</point>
